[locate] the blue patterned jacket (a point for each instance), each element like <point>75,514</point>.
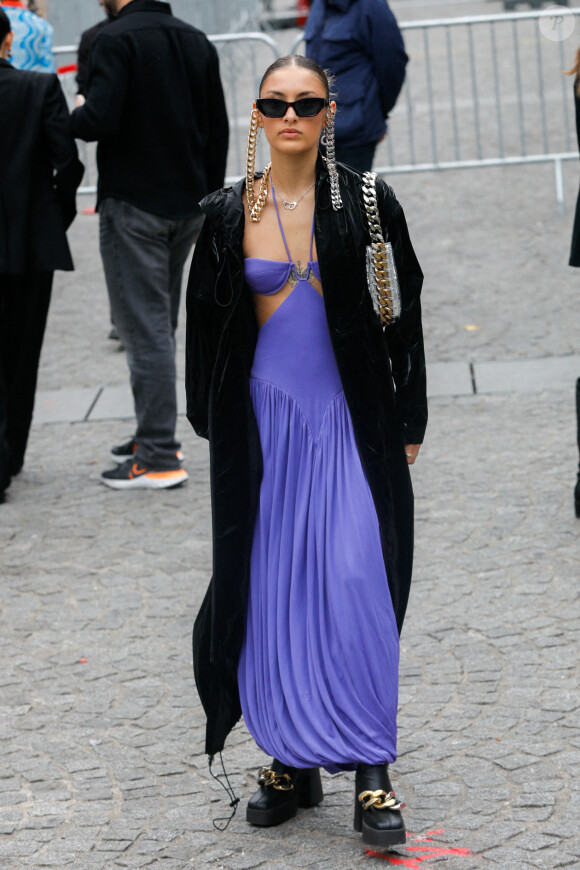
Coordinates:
<point>32,46</point>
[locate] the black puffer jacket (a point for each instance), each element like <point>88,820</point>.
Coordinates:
<point>387,411</point>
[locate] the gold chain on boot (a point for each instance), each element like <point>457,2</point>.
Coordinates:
<point>279,781</point>
<point>380,800</point>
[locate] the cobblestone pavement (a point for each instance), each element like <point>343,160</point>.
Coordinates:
<point>102,735</point>
<point>101,731</point>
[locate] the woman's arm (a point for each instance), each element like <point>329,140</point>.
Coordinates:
<point>405,337</point>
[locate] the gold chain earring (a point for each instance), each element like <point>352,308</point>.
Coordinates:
<point>255,205</point>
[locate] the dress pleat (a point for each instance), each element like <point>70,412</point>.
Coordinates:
<point>318,672</point>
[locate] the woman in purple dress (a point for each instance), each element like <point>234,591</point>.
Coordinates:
<point>314,412</point>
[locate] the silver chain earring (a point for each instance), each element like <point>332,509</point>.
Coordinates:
<point>328,142</point>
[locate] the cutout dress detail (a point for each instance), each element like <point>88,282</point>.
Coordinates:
<point>318,671</point>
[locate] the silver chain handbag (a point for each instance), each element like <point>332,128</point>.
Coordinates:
<point>382,278</point>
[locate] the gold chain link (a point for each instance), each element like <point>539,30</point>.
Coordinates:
<point>255,205</point>
<point>380,800</point>
<point>279,781</point>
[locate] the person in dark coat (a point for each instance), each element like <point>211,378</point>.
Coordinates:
<point>155,105</point>
<point>39,174</point>
<point>575,261</point>
<point>575,245</point>
<point>86,43</point>
<point>360,43</point>
<point>278,307</point>
<point>83,57</point>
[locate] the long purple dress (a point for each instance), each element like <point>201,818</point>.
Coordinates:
<point>318,671</point>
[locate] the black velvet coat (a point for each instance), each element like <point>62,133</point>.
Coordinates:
<point>383,376</point>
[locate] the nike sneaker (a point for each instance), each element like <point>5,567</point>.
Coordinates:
<point>127,450</point>
<point>132,475</point>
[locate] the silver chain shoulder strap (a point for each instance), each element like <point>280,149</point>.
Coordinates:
<point>382,278</point>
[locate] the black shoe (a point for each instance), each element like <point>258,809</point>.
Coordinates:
<point>377,812</point>
<point>125,451</point>
<point>132,475</point>
<point>282,790</point>
<point>113,334</point>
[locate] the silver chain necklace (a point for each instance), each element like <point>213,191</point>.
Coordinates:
<point>290,206</point>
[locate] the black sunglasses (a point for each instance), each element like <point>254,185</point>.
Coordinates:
<point>308,107</point>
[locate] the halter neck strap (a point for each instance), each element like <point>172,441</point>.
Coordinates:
<point>282,228</point>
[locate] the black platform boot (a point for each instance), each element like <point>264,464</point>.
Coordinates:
<point>577,488</point>
<point>377,812</point>
<point>282,790</point>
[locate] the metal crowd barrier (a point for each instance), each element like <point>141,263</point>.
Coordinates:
<point>243,59</point>
<point>69,17</point>
<point>485,90</point>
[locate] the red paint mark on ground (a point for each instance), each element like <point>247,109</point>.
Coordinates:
<point>89,210</point>
<point>428,853</point>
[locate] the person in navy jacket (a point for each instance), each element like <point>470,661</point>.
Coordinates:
<point>360,43</point>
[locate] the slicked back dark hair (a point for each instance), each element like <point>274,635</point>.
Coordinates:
<point>297,60</point>
<point>5,27</point>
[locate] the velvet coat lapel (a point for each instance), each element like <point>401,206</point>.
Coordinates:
<point>221,339</point>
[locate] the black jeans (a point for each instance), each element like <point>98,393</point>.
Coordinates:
<point>24,302</point>
<point>358,156</point>
<point>143,258</point>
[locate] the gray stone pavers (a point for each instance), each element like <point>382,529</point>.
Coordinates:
<point>449,379</point>
<point>530,376</point>
<point>101,731</point>
<point>116,402</point>
<point>113,403</point>
<point>72,405</point>
<point>103,761</point>
<point>445,379</point>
